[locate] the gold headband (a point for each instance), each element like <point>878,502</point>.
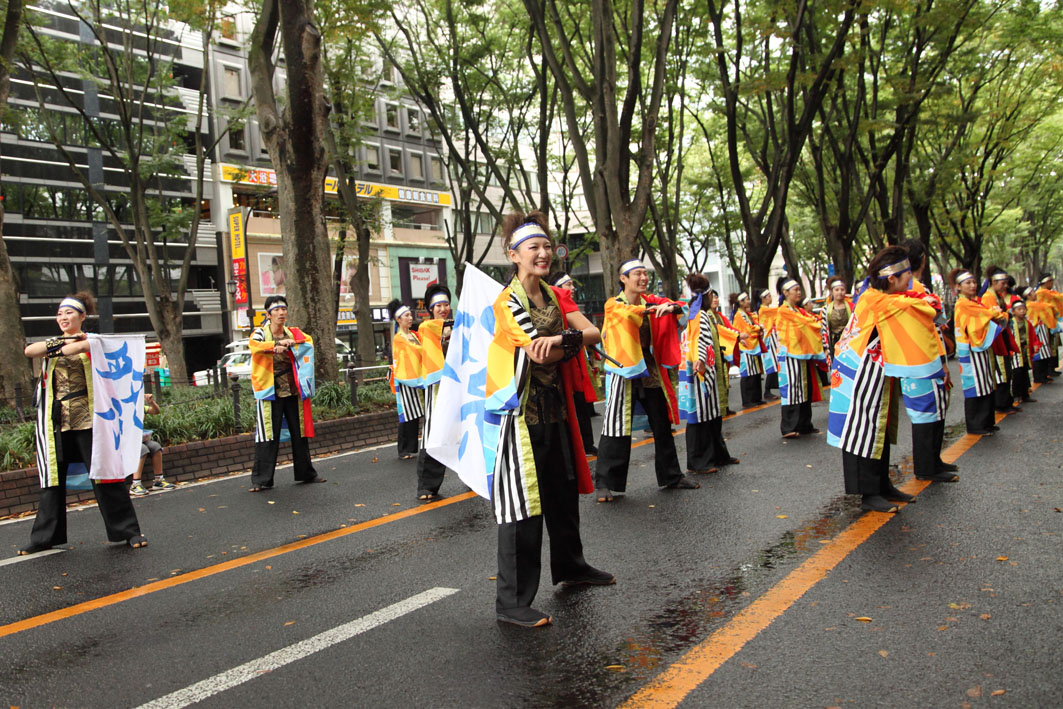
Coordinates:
<point>892,270</point>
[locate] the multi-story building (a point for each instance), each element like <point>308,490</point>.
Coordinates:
<point>57,237</point>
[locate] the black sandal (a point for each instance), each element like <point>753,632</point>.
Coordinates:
<point>260,488</point>
<point>137,541</point>
<point>33,549</point>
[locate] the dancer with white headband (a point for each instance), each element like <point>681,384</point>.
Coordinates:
<point>1045,323</point>
<point>407,377</point>
<point>976,328</point>
<point>434,334</point>
<point>996,297</point>
<point>750,350</point>
<point>1046,293</point>
<point>766,313</point>
<point>641,336</point>
<point>64,433</point>
<point>532,446</point>
<point>282,377</point>
<point>836,314</point>
<point>800,354</point>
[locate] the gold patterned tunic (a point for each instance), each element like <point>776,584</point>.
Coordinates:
<point>545,404</point>
<point>75,412</point>
<point>282,374</point>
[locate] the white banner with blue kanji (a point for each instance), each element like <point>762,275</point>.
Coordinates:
<point>456,436</point>
<point>117,404</point>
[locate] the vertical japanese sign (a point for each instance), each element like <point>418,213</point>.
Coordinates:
<point>239,254</point>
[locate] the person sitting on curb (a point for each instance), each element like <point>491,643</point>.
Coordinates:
<point>150,448</point>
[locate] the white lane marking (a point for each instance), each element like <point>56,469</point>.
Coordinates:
<point>28,557</point>
<point>275,660</point>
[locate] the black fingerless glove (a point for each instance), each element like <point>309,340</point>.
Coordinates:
<point>571,343</point>
<point>55,347</point>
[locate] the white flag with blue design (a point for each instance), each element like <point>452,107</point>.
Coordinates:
<point>456,434</point>
<point>117,404</point>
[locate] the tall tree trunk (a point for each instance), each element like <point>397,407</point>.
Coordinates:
<point>14,367</point>
<point>294,141</point>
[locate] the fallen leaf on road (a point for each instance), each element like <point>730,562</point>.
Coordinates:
<point>359,504</point>
<point>824,541</point>
<point>808,466</point>
<point>222,507</point>
<point>974,691</point>
<point>395,504</point>
<point>943,627</point>
<point>864,619</point>
<point>63,574</point>
<point>1002,558</point>
<point>294,512</point>
<point>57,588</point>
<point>270,502</point>
<point>290,622</point>
<point>960,606</point>
<point>615,668</point>
<point>268,567</point>
<point>201,509</point>
<point>985,616</point>
<point>749,665</point>
<point>780,516</point>
<point>652,506</point>
<point>374,460</point>
<point>884,653</point>
<point>996,692</point>
<point>492,578</point>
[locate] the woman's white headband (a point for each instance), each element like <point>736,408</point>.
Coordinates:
<point>437,299</point>
<point>787,285</point>
<point>72,303</point>
<point>524,232</point>
<point>402,310</point>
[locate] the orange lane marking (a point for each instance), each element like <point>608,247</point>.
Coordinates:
<point>673,685</point>
<point>743,412</point>
<point>114,598</point>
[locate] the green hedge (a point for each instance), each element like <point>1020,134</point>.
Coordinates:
<point>192,414</point>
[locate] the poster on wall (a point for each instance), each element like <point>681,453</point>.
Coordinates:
<point>350,266</point>
<point>422,275</point>
<point>271,274</point>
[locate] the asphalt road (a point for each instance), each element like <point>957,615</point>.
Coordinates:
<point>353,594</point>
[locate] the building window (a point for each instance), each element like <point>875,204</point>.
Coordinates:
<point>391,116</point>
<point>438,171</point>
<point>413,121</point>
<point>228,28</point>
<point>372,158</point>
<point>232,86</point>
<point>237,138</point>
<point>416,166</point>
<point>395,162</point>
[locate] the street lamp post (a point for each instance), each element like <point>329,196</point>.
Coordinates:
<point>230,286</point>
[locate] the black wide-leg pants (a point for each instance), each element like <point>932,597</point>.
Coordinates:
<point>584,411</point>
<point>978,413</point>
<point>750,388</point>
<point>614,452</point>
<point>520,543</point>
<point>408,431</point>
<point>1002,395</point>
<point>797,417</point>
<point>1020,383</point>
<point>119,517</point>
<point>430,474</point>
<point>266,451</point>
<point>867,476</point>
<point>771,381</point>
<point>705,445</point>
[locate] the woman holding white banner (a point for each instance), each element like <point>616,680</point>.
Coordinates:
<point>537,465</point>
<point>64,434</point>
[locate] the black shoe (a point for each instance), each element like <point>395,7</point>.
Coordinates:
<point>33,549</point>
<point>940,477</point>
<point>524,617</point>
<point>684,483</point>
<point>876,503</point>
<point>729,412</point>
<point>944,467</point>
<point>1029,400</point>
<point>895,495</point>
<point>590,450</point>
<point>770,397</point>
<point>809,432</point>
<point>590,577</point>
<point>994,427</point>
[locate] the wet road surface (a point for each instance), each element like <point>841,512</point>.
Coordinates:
<point>354,594</point>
